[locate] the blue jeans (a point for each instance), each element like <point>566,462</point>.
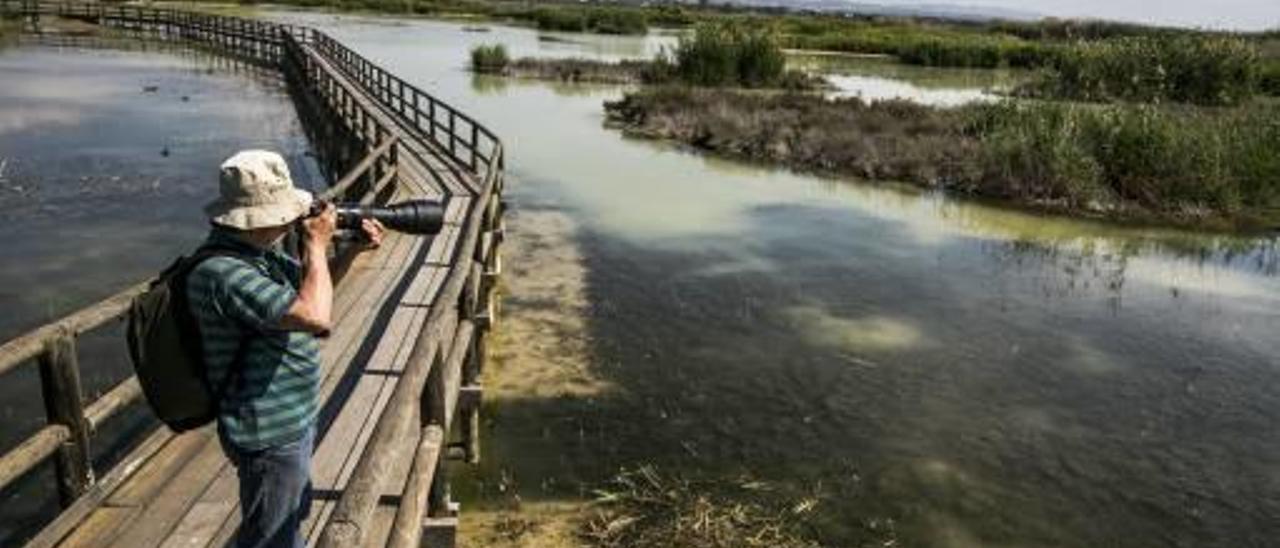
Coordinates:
<point>275,492</point>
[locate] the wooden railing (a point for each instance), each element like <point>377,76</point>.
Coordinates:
<point>365,147</point>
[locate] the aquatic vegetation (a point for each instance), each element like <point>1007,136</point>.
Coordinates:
<point>489,58</point>
<point>1186,69</point>
<point>728,55</point>
<point>916,43</point>
<point>714,55</point>
<point>649,508</point>
<point>612,20</point>
<point>1177,164</point>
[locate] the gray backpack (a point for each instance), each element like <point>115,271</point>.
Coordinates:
<point>165,346</point>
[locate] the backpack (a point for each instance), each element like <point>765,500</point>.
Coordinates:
<point>167,351</point>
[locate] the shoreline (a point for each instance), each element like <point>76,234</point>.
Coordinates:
<point>892,142</point>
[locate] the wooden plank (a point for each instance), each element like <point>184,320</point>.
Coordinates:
<point>358,419</point>
<point>71,517</point>
<point>127,502</point>
<point>161,468</point>
<point>166,510</point>
<point>382,524</point>
<point>216,507</point>
<point>104,523</point>
<point>442,246</point>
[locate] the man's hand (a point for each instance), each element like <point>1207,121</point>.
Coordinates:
<point>373,232</point>
<point>319,229</point>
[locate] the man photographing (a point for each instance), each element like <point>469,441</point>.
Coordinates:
<point>259,312</point>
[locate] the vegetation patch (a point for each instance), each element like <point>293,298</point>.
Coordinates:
<point>605,20</point>
<point>1269,78</point>
<point>1174,164</point>
<point>489,58</point>
<point>1187,69</point>
<point>645,508</point>
<point>917,44</point>
<point>712,56</point>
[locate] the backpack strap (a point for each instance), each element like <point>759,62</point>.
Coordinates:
<point>205,252</point>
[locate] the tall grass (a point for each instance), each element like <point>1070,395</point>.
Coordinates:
<point>729,55</point>
<point>1186,69</point>
<point>609,20</point>
<point>489,58</point>
<point>1177,163</point>
<point>1269,78</point>
<point>915,43</point>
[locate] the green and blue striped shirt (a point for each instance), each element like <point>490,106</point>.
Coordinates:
<point>240,300</point>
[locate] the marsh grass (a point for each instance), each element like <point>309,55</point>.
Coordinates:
<point>491,59</point>
<point>712,56</point>
<point>1269,78</point>
<point>646,508</point>
<point>603,20</point>
<point>1175,164</point>
<point>1213,71</point>
<point>731,55</point>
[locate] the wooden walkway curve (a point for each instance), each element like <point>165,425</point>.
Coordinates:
<point>400,382</point>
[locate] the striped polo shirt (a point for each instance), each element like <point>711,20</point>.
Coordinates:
<point>240,300</point>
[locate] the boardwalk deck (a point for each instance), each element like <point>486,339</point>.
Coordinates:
<point>408,316</point>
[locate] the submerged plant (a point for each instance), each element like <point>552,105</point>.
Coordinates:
<point>646,508</point>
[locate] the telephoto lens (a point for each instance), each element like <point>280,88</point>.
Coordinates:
<point>411,217</point>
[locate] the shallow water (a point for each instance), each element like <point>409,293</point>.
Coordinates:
<point>107,157</point>
<point>876,79</point>
<point>934,371</point>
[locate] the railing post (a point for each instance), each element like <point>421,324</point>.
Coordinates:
<point>63,403</point>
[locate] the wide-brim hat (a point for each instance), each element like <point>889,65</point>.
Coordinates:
<point>255,191</point>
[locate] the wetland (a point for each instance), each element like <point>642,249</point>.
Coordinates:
<point>878,363</point>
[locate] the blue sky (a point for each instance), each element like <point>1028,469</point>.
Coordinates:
<point>1237,14</point>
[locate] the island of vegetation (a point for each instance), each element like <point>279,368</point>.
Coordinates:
<point>717,55</point>
<point>1167,129</point>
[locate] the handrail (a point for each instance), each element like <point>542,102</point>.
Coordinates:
<point>469,148</point>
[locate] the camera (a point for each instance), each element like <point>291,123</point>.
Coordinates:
<point>420,217</point>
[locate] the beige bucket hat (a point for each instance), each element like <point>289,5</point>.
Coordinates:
<point>257,192</point>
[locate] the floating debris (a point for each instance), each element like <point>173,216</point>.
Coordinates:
<point>150,89</point>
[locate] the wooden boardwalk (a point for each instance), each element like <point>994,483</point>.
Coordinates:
<point>400,381</point>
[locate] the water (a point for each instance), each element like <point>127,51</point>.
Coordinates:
<point>933,371</point>
<point>108,156</point>
<point>878,78</point>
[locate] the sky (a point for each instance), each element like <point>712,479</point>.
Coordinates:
<point>1234,14</point>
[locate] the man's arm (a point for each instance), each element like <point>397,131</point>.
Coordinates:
<point>312,311</point>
